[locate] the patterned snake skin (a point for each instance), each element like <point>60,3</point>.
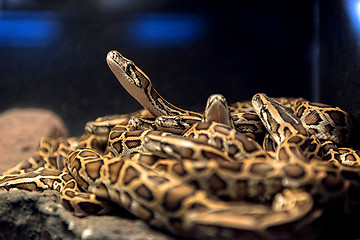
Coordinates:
<point>232,172</point>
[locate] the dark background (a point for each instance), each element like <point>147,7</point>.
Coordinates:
<point>339,61</point>
<point>236,49</point>
<point>52,53</point>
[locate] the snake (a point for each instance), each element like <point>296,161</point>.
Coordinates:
<point>137,83</point>
<point>202,175</point>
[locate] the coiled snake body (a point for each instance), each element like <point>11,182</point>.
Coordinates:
<point>239,170</point>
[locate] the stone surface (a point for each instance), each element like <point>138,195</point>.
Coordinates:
<point>21,131</point>
<point>34,215</point>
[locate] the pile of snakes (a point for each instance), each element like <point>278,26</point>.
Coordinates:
<point>233,171</point>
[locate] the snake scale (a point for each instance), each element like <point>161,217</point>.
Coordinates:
<point>233,171</point>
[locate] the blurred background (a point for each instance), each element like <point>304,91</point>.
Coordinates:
<point>52,53</point>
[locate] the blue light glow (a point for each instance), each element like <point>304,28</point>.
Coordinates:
<point>353,7</point>
<point>27,29</point>
<point>357,10</point>
<point>166,30</point>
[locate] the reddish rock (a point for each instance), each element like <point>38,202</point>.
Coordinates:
<point>21,131</point>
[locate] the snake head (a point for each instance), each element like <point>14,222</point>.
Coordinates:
<point>175,124</point>
<point>259,101</point>
<point>124,68</point>
<point>114,58</point>
<point>217,110</point>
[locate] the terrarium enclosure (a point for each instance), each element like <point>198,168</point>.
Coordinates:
<point>53,56</point>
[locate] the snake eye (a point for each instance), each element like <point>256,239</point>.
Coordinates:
<point>127,68</point>
<point>256,97</point>
<point>264,107</point>
<point>177,119</point>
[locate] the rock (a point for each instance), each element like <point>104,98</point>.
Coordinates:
<point>21,131</point>
<point>34,215</point>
